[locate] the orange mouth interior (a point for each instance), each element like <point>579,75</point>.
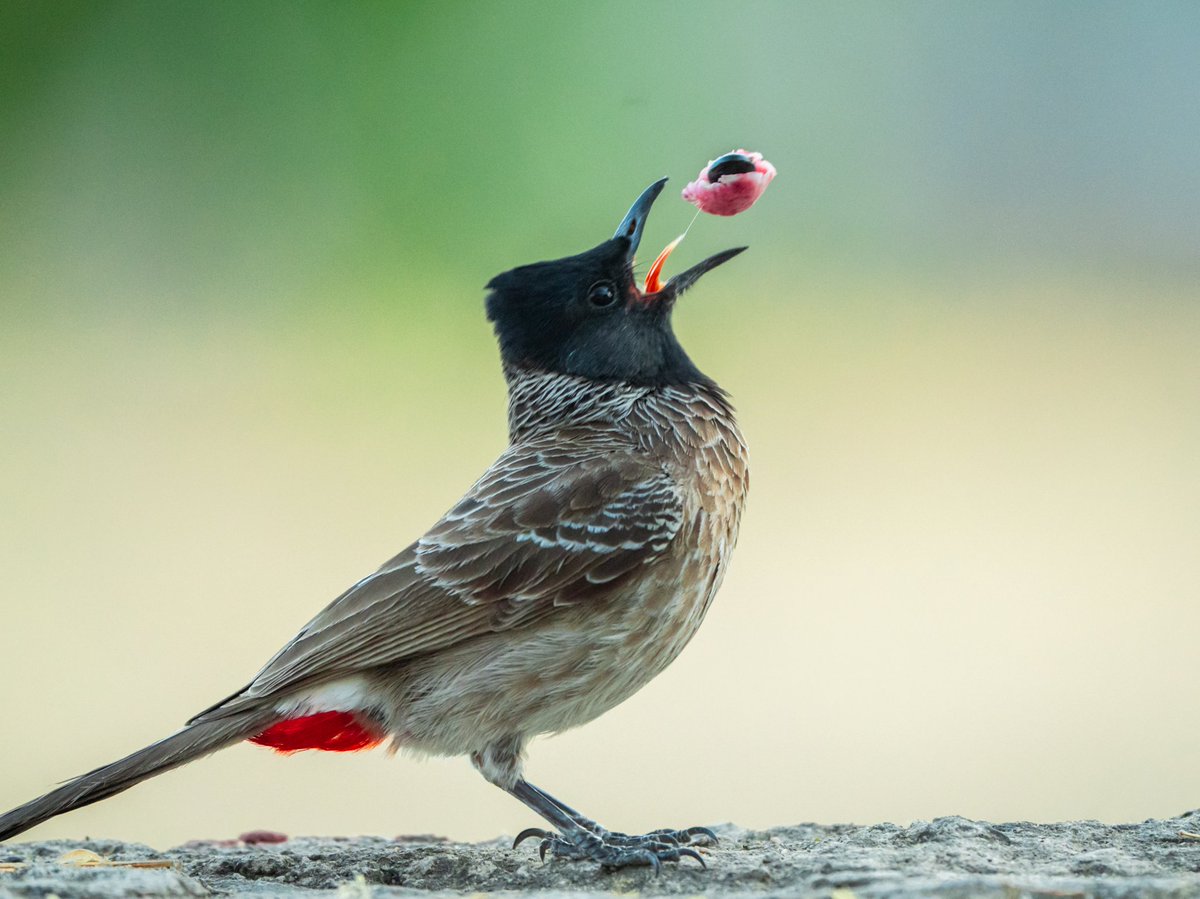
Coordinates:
<point>653,279</point>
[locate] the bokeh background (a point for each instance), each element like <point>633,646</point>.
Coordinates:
<point>243,360</point>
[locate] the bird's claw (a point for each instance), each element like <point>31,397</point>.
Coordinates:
<point>706,835</point>
<point>529,832</point>
<point>619,850</point>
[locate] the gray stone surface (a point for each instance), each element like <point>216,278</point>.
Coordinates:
<point>948,857</point>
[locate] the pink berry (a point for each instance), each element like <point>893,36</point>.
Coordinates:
<point>730,184</point>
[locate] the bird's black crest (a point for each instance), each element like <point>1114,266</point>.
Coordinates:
<point>583,315</point>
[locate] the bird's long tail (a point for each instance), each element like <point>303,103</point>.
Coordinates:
<point>183,746</point>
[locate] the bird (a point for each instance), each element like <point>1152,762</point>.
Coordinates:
<point>568,576</point>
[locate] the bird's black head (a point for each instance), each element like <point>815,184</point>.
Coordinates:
<point>584,315</point>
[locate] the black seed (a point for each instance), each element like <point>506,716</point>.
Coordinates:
<point>729,164</point>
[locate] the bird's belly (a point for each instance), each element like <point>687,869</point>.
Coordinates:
<point>549,677</point>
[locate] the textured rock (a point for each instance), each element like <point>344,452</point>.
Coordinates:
<point>948,857</point>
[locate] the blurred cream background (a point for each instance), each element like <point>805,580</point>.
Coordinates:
<point>243,360</point>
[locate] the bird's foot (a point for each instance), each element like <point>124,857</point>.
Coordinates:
<point>620,850</point>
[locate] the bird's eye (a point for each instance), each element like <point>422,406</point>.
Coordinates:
<point>601,295</point>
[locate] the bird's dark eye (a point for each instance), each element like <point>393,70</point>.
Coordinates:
<point>729,164</point>
<point>602,294</point>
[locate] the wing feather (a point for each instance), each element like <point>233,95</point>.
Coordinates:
<point>547,525</point>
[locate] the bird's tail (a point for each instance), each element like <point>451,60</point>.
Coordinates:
<point>190,743</point>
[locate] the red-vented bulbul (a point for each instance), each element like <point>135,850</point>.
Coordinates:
<point>570,574</point>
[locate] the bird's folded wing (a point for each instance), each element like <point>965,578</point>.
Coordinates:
<point>554,523</point>
<point>551,522</point>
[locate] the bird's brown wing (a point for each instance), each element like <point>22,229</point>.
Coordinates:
<point>552,522</point>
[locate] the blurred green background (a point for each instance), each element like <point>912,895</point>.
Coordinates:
<point>243,360</point>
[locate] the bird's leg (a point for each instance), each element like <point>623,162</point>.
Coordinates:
<point>580,837</point>
<point>695,835</point>
<point>578,819</point>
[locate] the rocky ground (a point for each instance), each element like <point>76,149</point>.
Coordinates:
<point>947,857</point>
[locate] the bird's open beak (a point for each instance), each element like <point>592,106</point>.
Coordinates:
<point>685,279</point>
<point>635,219</point>
<point>632,227</point>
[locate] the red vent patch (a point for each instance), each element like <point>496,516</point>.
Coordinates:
<point>328,731</point>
